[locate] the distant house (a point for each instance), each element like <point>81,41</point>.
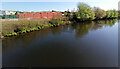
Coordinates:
<point>37,16</point>
<point>29,15</point>
<point>22,15</point>
<point>10,12</point>
<point>18,12</point>
<point>7,12</point>
<point>2,12</point>
<point>50,15</point>
<point>44,15</point>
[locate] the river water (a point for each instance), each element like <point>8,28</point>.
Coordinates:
<point>84,44</point>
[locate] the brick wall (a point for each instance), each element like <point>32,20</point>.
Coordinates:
<point>43,15</point>
<point>37,16</point>
<point>29,15</point>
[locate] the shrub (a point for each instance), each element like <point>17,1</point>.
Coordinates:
<point>55,21</point>
<point>99,13</point>
<point>111,14</point>
<point>85,12</point>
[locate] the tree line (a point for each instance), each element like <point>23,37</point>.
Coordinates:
<point>85,12</point>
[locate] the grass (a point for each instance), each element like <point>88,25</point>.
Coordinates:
<point>10,28</point>
<point>13,28</point>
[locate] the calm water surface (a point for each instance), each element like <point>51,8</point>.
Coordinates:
<point>86,44</point>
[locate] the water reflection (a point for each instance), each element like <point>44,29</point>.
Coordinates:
<point>80,29</point>
<point>61,46</point>
<point>83,28</point>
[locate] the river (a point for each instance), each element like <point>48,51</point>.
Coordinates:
<point>84,44</point>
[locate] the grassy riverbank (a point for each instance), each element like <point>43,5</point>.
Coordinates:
<point>13,28</point>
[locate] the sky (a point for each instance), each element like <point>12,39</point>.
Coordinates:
<point>58,5</point>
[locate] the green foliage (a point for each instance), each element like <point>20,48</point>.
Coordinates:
<point>55,21</point>
<point>85,12</point>
<point>115,13</point>
<point>41,26</point>
<point>8,34</point>
<point>111,14</point>
<point>50,25</point>
<point>67,13</point>
<point>23,31</point>
<point>118,13</point>
<point>99,13</point>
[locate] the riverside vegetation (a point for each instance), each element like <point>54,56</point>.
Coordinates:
<point>83,13</point>
<point>13,28</point>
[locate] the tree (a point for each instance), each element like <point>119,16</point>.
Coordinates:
<point>85,12</point>
<point>111,14</point>
<point>53,11</point>
<point>119,13</point>
<point>115,13</point>
<point>108,14</point>
<point>99,13</point>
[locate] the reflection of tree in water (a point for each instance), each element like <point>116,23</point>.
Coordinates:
<point>80,30</point>
<point>97,25</point>
<point>110,22</point>
<point>83,28</point>
<point>56,30</point>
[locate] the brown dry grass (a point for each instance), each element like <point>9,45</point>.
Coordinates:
<point>21,24</point>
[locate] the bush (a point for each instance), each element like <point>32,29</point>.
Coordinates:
<point>55,21</point>
<point>111,14</point>
<point>99,13</point>
<point>85,12</point>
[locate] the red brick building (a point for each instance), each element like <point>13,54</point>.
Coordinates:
<point>44,15</point>
<point>50,15</point>
<point>37,16</point>
<point>22,15</point>
<point>29,15</point>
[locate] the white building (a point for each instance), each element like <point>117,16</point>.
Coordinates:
<point>2,12</point>
<point>10,12</point>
